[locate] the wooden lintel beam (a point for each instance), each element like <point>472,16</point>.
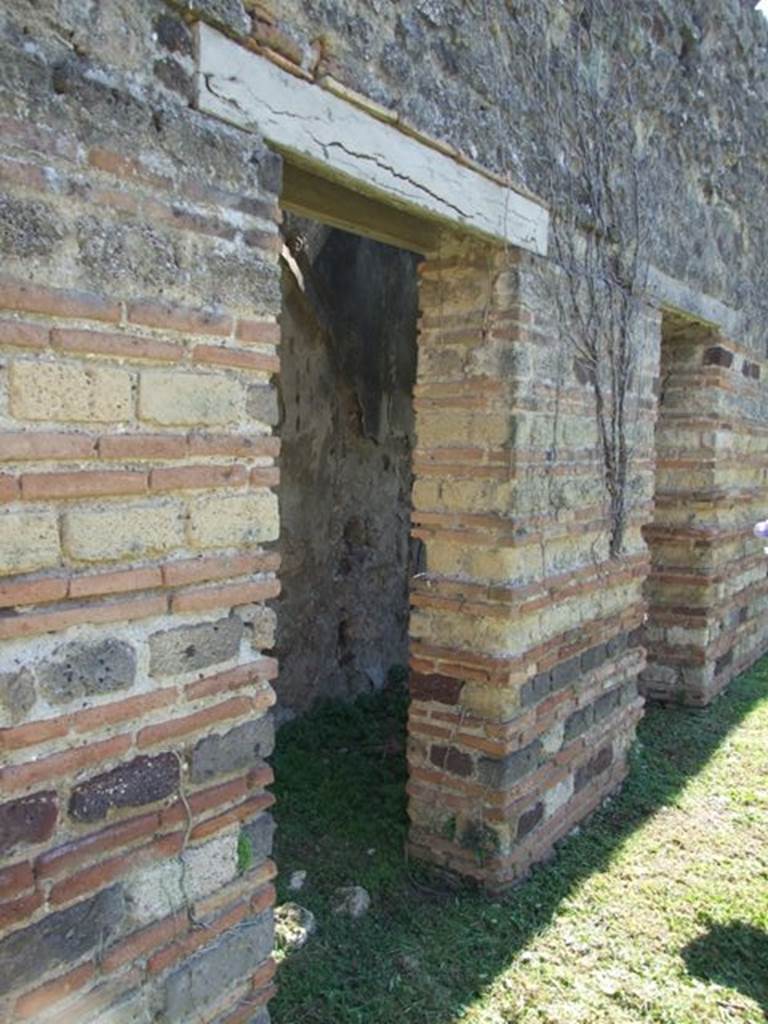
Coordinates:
<point>309,195</point>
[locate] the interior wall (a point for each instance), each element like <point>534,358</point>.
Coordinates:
<point>348,369</point>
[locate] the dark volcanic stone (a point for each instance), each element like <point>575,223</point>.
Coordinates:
<point>87,669</point>
<point>578,722</point>
<point>529,819</point>
<point>443,689</point>
<point>141,781</point>
<point>59,939</point>
<point>718,356</point>
<point>451,760</point>
<point>28,820</point>
<point>594,767</point>
<point>236,750</point>
<point>192,647</point>
<point>499,773</point>
<point>203,977</point>
<point>173,34</point>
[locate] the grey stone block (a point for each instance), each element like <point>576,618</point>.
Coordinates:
<point>262,404</point>
<point>87,669</point>
<point>17,693</point>
<point>526,694</point>
<point>260,831</point>
<point>629,692</point>
<point>189,648</point>
<point>536,689</point>
<point>566,672</point>
<point>125,252</point>
<point>173,34</point>
<point>503,772</point>
<point>592,658</point>
<point>723,662</point>
<point>28,228</point>
<point>236,750</point>
<point>578,723</point>
<point>607,703</point>
<point>59,939</point>
<point>209,973</point>
<point>637,638</point>
<point>616,645</point>
<point>529,819</point>
<point>226,14</point>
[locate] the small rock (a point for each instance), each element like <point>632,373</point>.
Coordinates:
<point>351,899</point>
<point>297,880</point>
<point>293,926</point>
<point>409,963</point>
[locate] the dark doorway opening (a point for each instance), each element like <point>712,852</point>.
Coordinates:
<point>349,328</point>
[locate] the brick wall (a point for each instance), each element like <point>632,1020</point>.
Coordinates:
<point>137,518</point>
<point>138,348</point>
<point>707,591</point>
<point>525,649</point>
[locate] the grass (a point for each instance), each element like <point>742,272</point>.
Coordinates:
<point>656,910</point>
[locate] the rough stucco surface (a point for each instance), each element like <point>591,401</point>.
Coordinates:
<point>348,367</point>
<point>461,71</point>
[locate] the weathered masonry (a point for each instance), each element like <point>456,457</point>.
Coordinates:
<point>348,352</point>
<point>153,152</point>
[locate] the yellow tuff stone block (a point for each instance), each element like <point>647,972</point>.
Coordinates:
<point>28,541</point>
<point>224,521</point>
<point>48,391</point>
<point>190,399</point>
<point>122,531</point>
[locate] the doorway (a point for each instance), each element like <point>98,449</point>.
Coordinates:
<point>348,367</point>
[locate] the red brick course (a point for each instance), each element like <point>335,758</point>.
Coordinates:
<point>197,478</point>
<point>151,313</point>
<point>51,621</point>
<point>23,335</point>
<point>121,345</point>
<point>35,298</point>
<point>17,778</point>
<point>88,484</point>
<point>257,332</point>
<point>151,735</point>
<point>29,1006</point>
<point>242,359</point>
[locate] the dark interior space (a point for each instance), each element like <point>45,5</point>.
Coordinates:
<point>348,352</point>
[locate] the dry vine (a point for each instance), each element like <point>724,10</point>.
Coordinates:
<point>594,169</point>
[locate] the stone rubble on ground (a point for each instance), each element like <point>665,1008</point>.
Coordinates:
<point>297,880</point>
<point>293,926</point>
<point>351,899</point>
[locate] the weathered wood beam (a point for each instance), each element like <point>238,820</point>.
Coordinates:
<point>311,196</point>
<point>337,140</point>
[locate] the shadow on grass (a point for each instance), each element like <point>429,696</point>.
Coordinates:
<point>423,954</point>
<point>734,955</point>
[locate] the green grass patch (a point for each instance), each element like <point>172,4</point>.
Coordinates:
<point>656,910</point>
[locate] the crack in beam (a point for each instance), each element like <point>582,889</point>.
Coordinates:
<point>320,132</point>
